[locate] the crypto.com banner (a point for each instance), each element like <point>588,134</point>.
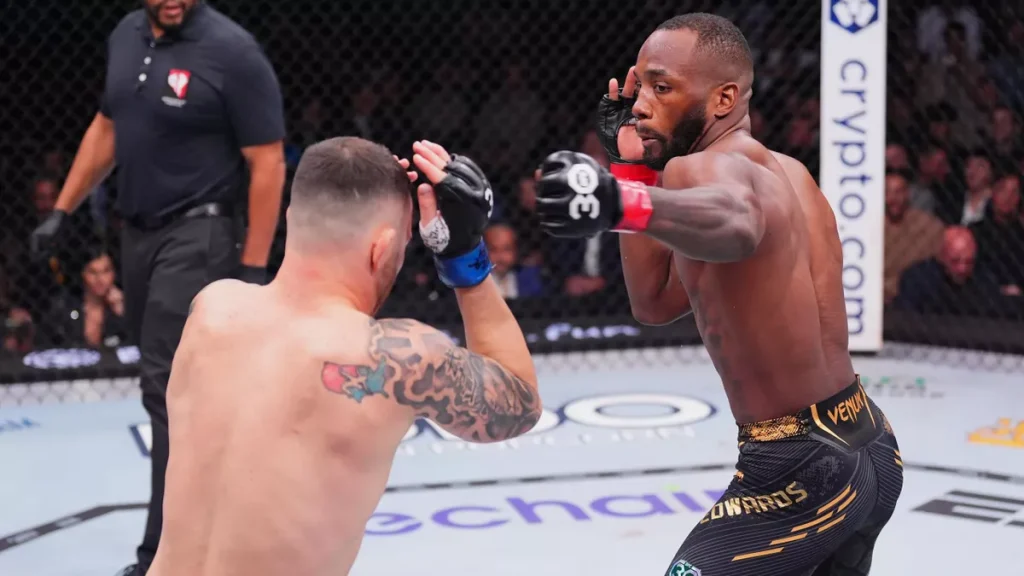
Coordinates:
<point>853,153</point>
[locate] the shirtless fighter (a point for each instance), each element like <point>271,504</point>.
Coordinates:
<point>287,402</point>
<point>745,237</point>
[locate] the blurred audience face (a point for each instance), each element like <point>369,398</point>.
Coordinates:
<point>528,193</point>
<point>897,197</point>
<point>934,165</point>
<point>1006,197</point>
<point>1003,125</point>
<point>956,41</point>
<point>19,334</point>
<point>501,246</point>
<point>98,277</point>
<point>44,196</point>
<point>169,15</point>
<point>896,157</point>
<point>939,130</point>
<point>958,252</point>
<point>978,173</point>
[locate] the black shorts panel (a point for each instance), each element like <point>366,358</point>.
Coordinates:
<point>798,498</point>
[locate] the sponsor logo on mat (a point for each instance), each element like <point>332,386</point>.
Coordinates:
<point>1006,433</point>
<point>624,417</point>
<point>1001,510</point>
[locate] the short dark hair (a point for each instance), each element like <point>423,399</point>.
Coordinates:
<point>716,36</point>
<point>907,175</point>
<point>345,171</point>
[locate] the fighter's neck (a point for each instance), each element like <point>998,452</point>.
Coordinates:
<point>311,282</point>
<point>722,129</point>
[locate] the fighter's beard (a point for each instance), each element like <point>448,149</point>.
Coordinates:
<point>685,136</point>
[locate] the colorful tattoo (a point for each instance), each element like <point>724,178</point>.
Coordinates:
<point>467,394</point>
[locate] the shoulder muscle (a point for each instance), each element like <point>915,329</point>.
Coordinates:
<point>420,367</point>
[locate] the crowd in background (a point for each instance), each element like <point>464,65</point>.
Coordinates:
<point>954,229</point>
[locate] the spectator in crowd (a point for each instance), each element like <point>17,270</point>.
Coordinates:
<point>933,23</point>
<point>911,234</point>
<point>1005,68</point>
<point>1000,237</point>
<point>1004,142</point>
<point>19,332</point>
<point>957,78</point>
<point>934,178</point>
<point>583,266</point>
<point>896,157</point>
<point>522,214</point>
<point>440,111</point>
<point>947,284</point>
<point>509,125</point>
<point>95,318</point>
<point>965,207</point>
<point>513,278</point>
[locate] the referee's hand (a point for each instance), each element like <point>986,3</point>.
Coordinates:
<point>43,238</point>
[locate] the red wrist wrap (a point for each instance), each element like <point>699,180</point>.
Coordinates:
<point>636,206</point>
<point>634,172</point>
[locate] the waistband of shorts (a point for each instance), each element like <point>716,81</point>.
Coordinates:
<point>842,416</point>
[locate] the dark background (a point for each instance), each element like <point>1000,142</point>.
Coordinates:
<point>508,82</point>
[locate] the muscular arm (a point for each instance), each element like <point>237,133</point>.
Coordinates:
<point>486,393</point>
<point>656,295</point>
<point>709,208</point>
<point>266,185</point>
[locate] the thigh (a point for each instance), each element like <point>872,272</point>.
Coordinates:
<point>191,255</point>
<point>790,505</point>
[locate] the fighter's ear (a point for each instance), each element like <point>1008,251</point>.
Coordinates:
<point>382,247</point>
<point>726,97</point>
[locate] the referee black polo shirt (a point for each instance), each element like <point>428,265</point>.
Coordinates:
<point>183,106</point>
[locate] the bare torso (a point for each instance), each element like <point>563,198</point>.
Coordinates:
<point>775,324</point>
<point>268,473</point>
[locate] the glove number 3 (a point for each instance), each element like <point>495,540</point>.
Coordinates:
<point>489,197</point>
<point>583,181</point>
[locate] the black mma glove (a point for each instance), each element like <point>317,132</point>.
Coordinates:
<point>43,238</point>
<point>464,202</point>
<point>577,197</point>
<point>612,115</point>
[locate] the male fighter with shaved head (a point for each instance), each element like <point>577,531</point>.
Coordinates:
<point>743,237</point>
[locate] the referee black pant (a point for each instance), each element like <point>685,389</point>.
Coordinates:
<point>162,271</point>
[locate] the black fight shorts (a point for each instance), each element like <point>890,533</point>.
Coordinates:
<point>811,494</point>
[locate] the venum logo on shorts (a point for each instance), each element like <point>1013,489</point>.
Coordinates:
<point>854,15</point>
<point>683,568</point>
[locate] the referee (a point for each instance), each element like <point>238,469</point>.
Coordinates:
<point>192,116</point>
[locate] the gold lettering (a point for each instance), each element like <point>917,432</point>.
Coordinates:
<point>749,505</point>
<point>785,501</point>
<point>732,507</point>
<point>717,511</point>
<point>798,493</point>
<point>766,503</point>
<point>833,415</point>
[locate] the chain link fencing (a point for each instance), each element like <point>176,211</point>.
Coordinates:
<point>509,82</point>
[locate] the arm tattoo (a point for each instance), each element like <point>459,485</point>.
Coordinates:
<point>469,395</point>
